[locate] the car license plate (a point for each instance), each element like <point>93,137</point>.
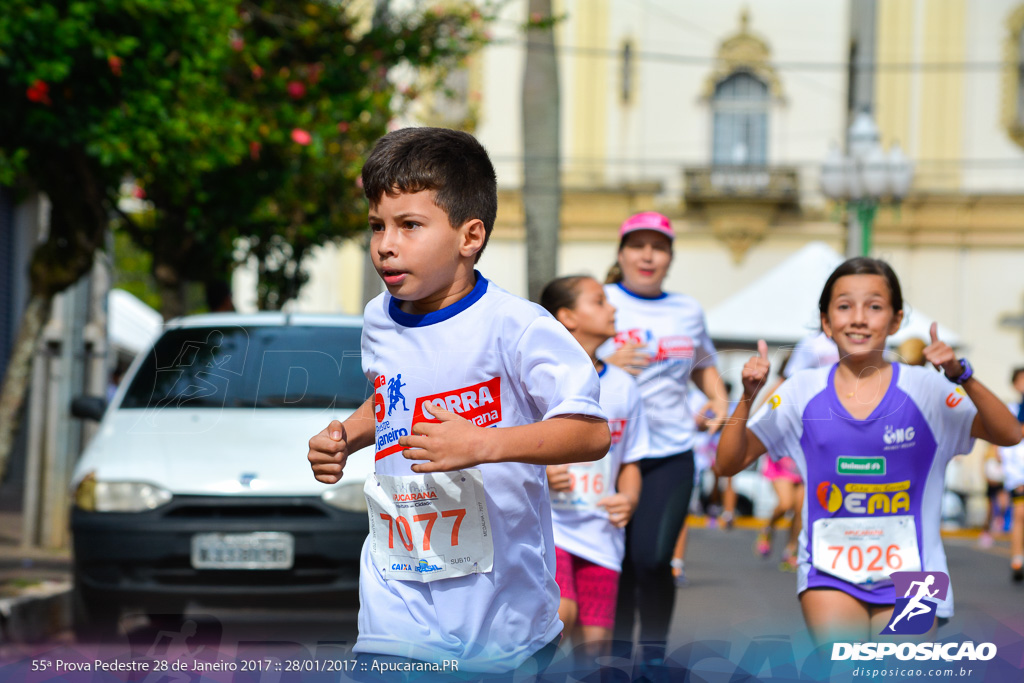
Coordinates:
<point>258,550</point>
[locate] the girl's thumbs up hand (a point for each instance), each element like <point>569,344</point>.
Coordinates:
<point>941,355</point>
<point>755,372</point>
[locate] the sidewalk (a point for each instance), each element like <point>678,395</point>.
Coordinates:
<point>35,584</point>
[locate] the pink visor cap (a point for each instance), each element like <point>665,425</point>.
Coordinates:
<point>648,220</point>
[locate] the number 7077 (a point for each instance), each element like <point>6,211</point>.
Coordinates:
<point>405,529</point>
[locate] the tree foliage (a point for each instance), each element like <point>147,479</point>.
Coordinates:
<point>243,124</point>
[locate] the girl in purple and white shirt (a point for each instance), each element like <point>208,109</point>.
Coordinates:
<point>872,440</point>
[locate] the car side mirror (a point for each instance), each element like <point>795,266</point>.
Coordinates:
<point>89,407</point>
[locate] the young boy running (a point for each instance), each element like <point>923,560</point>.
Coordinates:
<point>460,560</point>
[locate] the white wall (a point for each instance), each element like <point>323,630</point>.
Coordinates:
<point>997,163</point>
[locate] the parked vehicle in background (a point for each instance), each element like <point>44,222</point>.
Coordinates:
<point>196,487</point>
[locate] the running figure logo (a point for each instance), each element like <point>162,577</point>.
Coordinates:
<point>395,385</point>
<point>914,613</point>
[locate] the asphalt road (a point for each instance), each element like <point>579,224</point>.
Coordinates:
<point>738,619</point>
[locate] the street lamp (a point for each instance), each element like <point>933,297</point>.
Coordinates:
<point>863,178</point>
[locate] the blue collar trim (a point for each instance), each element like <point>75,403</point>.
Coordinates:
<point>413,320</point>
<point>641,296</point>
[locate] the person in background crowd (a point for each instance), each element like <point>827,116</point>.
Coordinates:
<point>996,495</point>
<point>704,448</point>
<point>1012,458</point>
<point>663,341</point>
<point>911,351</point>
<point>592,502</point>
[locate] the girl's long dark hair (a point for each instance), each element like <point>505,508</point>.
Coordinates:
<point>862,265</point>
<point>562,292</point>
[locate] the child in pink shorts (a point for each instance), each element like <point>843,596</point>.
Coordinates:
<point>789,489</point>
<point>591,502</point>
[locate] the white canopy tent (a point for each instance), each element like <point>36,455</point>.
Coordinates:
<point>131,324</point>
<point>782,306</point>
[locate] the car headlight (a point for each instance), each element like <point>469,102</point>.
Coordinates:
<point>119,496</point>
<point>347,497</point>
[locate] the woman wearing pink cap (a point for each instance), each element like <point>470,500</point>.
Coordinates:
<point>662,340</point>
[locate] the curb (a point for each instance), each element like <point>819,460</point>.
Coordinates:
<point>38,613</point>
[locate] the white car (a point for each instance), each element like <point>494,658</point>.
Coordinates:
<point>196,487</point>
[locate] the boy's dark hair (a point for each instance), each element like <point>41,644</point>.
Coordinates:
<point>862,265</point>
<point>561,292</point>
<point>451,163</point>
<point>1016,371</point>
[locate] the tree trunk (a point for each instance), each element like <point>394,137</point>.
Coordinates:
<point>171,287</point>
<point>542,192</point>
<point>19,372</point>
<point>78,226</point>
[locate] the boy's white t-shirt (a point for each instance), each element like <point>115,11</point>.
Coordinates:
<point>883,477</point>
<point>499,361</point>
<point>580,527</point>
<point>672,328</point>
<point>813,351</point>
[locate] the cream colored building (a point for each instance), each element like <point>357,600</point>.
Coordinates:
<point>719,115</point>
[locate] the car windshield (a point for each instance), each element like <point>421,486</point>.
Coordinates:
<point>251,367</point>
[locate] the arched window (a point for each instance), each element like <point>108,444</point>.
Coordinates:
<point>740,121</point>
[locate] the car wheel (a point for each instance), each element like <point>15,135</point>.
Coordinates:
<point>94,615</point>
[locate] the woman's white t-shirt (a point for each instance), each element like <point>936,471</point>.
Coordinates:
<point>673,331</point>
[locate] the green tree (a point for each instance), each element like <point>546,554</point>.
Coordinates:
<point>243,123</point>
<point>71,126</point>
<point>314,85</point>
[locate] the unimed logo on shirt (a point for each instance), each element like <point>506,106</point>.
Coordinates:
<point>480,403</point>
<point>853,464</point>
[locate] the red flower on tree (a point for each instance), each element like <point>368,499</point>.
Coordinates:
<point>39,92</point>
<point>313,72</point>
<point>301,137</point>
<point>296,90</point>
<point>115,65</point>
<point>254,150</point>
<point>257,72</point>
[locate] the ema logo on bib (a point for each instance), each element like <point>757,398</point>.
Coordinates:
<point>914,613</point>
<point>480,403</point>
<point>865,499</point>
